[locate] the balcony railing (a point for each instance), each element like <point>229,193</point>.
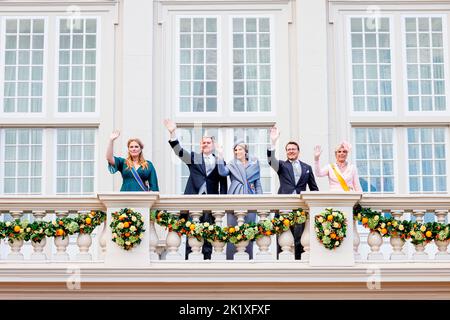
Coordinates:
<point>160,257</point>
<point>169,246</point>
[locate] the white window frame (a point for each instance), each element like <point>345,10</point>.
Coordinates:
<point>348,68</point>
<point>80,114</point>
<point>445,36</point>
<point>176,64</point>
<point>247,114</point>
<point>44,160</point>
<point>45,66</point>
<point>404,134</point>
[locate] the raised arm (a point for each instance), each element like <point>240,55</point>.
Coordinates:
<point>320,172</point>
<point>223,170</point>
<point>273,161</point>
<point>183,154</point>
<point>110,148</point>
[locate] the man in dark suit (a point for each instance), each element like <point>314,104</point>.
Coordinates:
<point>294,176</point>
<point>204,175</point>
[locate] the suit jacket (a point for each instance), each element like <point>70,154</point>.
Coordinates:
<point>286,175</point>
<point>197,172</point>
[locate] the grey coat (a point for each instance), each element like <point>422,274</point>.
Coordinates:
<point>244,180</point>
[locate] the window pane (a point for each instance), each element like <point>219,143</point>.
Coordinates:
<point>374,151</point>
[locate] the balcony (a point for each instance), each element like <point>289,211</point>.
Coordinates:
<point>364,266</point>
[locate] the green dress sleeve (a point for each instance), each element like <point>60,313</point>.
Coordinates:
<point>153,179</point>
<point>118,165</point>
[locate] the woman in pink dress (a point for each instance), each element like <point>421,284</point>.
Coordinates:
<point>342,176</point>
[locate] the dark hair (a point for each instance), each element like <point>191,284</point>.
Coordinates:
<point>292,142</point>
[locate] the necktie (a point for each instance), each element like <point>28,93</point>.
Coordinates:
<point>297,170</point>
<point>208,165</point>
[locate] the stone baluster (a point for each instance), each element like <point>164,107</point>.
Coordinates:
<point>442,253</point>
<point>84,242</point>
<point>375,241</point>
<point>420,253</point>
<point>264,242</point>
<point>240,246</point>
<point>153,241</point>
<point>60,242</point>
<point>218,252</point>
<point>173,242</point>
<point>196,245</point>
<point>38,247</point>
<point>305,239</point>
<point>15,245</point>
<point>356,240</point>
<point>102,241</point>
<point>286,242</point>
<point>397,243</point>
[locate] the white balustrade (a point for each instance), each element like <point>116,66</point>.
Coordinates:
<point>375,241</point>
<point>242,245</point>
<point>420,253</point>
<point>218,246</point>
<point>397,243</point>
<point>38,247</point>
<point>15,244</point>
<point>264,242</point>
<point>173,241</point>
<point>356,240</point>
<point>442,254</point>
<point>196,245</point>
<point>305,239</point>
<point>286,242</point>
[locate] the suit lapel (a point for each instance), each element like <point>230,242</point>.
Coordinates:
<point>304,171</point>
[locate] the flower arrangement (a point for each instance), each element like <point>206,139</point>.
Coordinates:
<point>233,234</point>
<point>87,222</point>
<point>62,227</point>
<point>16,230</point>
<point>331,228</point>
<point>127,228</point>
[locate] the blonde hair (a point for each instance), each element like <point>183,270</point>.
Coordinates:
<point>129,161</point>
<point>343,145</point>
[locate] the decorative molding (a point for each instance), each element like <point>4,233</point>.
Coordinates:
<point>22,124</point>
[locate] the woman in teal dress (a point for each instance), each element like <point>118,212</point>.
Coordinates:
<point>138,174</point>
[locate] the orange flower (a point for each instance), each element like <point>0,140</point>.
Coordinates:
<point>268,233</point>
<point>330,217</point>
<point>364,220</point>
<point>16,229</point>
<point>60,232</point>
<point>159,215</point>
<point>61,222</point>
<point>126,224</point>
<point>127,234</point>
<point>286,222</point>
<point>192,227</point>
<point>428,234</point>
<point>88,220</point>
<point>383,231</point>
<point>121,218</point>
<point>231,230</point>
<point>333,236</point>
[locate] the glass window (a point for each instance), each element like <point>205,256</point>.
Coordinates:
<point>22,161</point>
<point>77,65</point>
<point>371,64</point>
<point>75,161</point>
<point>24,63</point>
<point>427,159</point>
<point>374,156</point>
<point>425,63</point>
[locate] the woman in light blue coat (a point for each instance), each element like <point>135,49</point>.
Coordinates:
<point>245,179</point>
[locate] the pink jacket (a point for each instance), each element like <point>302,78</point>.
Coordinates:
<point>350,176</point>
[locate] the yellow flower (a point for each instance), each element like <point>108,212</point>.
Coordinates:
<point>394,223</point>
<point>423,228</point>
<point>188,224</point>
<point>376,218</point>
<point>320,219</point>
<point>401,227</point>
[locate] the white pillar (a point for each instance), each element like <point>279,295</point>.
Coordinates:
<point>173,241</point>
<point>84,242</point>
<point>356,240</point>
<point>140,202</point>
<point>241,246</point>
<point>318,201</point>
<point>287,243</point>
<point>60,243</point>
